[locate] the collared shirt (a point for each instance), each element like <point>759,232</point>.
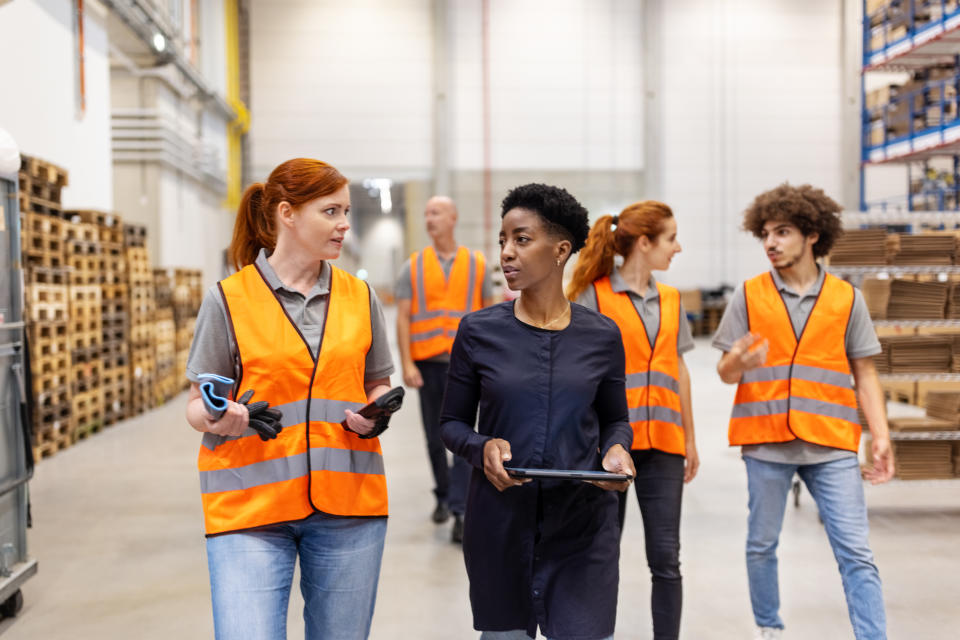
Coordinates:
<point>647,305</point>
<point>861,342</point>
<point>213,349</point>
<point>544,553</point>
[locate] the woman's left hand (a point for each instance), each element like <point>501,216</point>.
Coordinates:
<point>617,460</point>
<point>359,424</point>
<point>693,462</point>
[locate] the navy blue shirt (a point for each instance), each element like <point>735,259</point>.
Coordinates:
<point>547,552</point>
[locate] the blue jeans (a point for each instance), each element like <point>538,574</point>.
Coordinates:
<point>838,491</point>
<point>251,573</point>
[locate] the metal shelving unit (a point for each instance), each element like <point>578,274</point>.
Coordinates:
<point>16,454</point>
<point>923,123</point>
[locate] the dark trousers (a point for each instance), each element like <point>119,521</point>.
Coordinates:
<point>659,487</point>
<point>450,483</point>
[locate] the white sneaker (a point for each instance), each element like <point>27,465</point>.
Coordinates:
<point>768,633</point>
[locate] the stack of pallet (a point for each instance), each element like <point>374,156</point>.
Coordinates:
<point>85,331</point>
<point>167,380</point>
<point>187,295</point>
<point>142,324</point>
<point>47,303</point>
<point>114,313</point>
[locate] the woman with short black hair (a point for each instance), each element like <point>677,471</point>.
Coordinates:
<point>548,378</point>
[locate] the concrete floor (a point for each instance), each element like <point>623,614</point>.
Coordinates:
<point>118,535</point>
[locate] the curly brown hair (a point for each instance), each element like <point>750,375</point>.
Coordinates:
<point>806,207</point>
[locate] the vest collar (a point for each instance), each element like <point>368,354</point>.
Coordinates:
<point>812,292</point>
<point>320,288</point>
<point>619,285</point>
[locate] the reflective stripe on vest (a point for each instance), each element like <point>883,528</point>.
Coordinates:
<point>804,389</point>
<point>314,465</point>
<point>439,302</point>
<point>653,387</point>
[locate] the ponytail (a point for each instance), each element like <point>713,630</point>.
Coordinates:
<point>612,235</point>
<point>596,257</point>
<point>253,229</point>
<point>295,182</point>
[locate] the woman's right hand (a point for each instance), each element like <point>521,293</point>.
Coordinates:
<point>495,453</point>
<point>233,423</point>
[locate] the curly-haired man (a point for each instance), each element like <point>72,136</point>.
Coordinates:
<point>791,339</point>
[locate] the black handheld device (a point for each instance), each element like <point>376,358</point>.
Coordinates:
<point>566,474</point>
<point>379,411</point>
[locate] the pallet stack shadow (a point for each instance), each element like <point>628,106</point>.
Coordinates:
<point>187,295</point>
<point>47,303</point>
<point>143,350</point>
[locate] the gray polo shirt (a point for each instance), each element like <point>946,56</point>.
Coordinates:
<point>647,305</point>
<point>213,349</point>
<point>861,342</point>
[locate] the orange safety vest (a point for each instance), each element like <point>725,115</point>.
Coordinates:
<point>438,303</point>
<point>804,389</point>
<point>314,464</point>
<point>653,375</point>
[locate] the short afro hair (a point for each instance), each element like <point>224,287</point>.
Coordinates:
<point>805,207</point>
<point>560,211</point>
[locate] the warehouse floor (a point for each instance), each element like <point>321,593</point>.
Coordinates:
<point>117,532</point>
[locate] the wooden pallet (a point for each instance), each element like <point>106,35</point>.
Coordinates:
<point>116,402</point>
<point>56,364</point>
<point>47,339</point>
<point>33,224</point>
<point>86,351</point>
<point>85,331</point>
<point>51,419</point>
<point>39,188</point>
<point>115,374</point>
<point>48,381</point>
<point>85,269</point>
<point>39,205</point>
<point>134,235</point>
<point>46,302</point>
<point>52,398</point>
<point>86,235</point>
<point>46,275</point>
<point>44,171</point>
<point>115,331</point>
<point>85,376</point>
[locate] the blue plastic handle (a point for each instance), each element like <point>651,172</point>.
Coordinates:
<point>214,390</point>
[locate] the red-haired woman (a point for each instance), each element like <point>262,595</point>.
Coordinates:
<point>655,334</point>
<point>309,339</point>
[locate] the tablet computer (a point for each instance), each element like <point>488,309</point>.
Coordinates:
<point>566,474</point>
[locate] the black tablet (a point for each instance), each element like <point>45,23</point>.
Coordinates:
<point>566,474</point>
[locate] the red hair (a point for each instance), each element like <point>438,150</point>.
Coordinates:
<point>604,242</point>
<point>297,182</point>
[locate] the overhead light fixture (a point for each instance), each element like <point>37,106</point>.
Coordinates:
<point>159,42</point>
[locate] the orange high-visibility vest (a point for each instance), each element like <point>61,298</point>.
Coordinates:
<point>314,464</point>
<point>438,303</point>
<point>653,375</point>
<point>804,389</point>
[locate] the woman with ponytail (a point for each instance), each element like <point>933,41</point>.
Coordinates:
<point>655,334</point>
<point>288,471</point>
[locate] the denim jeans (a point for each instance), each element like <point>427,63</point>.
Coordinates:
<point>659,488</point>
<point>251,574</point>
<point>838,491</point>
<point>516,634</point>
<point>450,481</point>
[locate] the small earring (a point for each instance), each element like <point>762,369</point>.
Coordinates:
<point>558,262</point>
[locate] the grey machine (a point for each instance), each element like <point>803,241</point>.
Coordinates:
<point>16,453</point>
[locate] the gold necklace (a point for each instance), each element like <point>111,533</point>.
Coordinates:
<point>552,322</point>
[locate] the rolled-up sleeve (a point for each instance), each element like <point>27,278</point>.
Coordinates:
<point>460,402</point>
<point>611,401</point>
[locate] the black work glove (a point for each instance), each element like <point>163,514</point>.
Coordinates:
<point>264,420</point>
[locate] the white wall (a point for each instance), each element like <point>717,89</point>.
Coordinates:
<point>751,97</point>
<point>348,83</point>
<point>39,106</point>
<point>566,85</point>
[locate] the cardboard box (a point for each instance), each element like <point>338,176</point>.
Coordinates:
<point>923,388</point>
<point>692,301</point>
<point>895,330</point>
<point>881,96</point>
<point>905,392</point>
